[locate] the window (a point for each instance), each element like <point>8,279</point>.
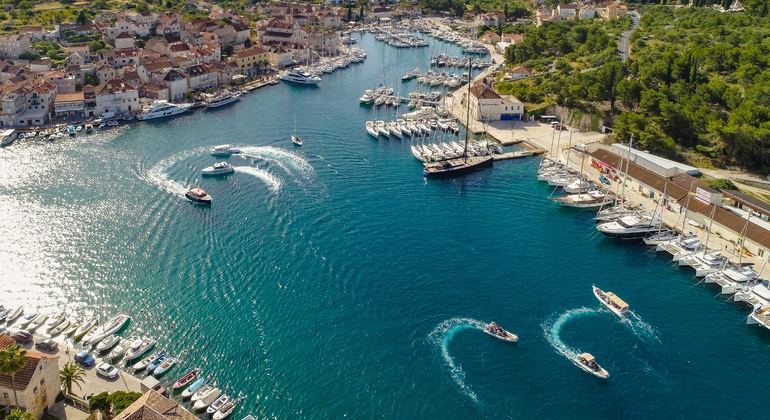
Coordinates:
<point>42,381</point>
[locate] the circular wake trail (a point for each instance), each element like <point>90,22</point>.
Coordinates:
<point>158,175</point>
<point>290,162</point>
<point>553,331</point>
<point>272,182</point>
<point>442,335</point>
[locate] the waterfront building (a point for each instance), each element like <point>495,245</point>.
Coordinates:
<point>116,96</point>
<point>249,60</point>
<point>202,76</point>
<point>26,103</point>
<point>71,105</point>
<point>36,385</point>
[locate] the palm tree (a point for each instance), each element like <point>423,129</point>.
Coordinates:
<point>17,414</point>
<point>71,374</point>
<point>13,360</point>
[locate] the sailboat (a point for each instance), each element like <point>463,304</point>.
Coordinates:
<point>464,163</point>
<point>294,137</point>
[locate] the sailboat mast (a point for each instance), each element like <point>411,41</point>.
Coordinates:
<point>467,114</point>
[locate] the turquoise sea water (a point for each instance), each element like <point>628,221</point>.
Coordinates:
<point>334,280</point>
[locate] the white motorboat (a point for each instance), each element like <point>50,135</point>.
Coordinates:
<point>120,348</point>
<point>372,129</point>
<point>8,136</point>
<point>164,367</point>
<point>498,332</point>
<point>225,410</point>
<point>38,321</point>
<point>219,168</point>
<point>216,405</point>
<point>107,343</point>
<point>588,363</point>
<point>60,328</point>
<point>56,321</point>
<point>27,319</point>
<point>296,140</point>
<point>224,150</point>
<point>161,109</point>
<point>110,327</point>
<point>590,200</point>
<point>661,236</point>
<point>631,227</point>
<point>612,302</point>
<point>85,328</point>
<point>223,99</point>
<point>139,347</point>
<point>205,396</point>
<point>300,76</point>
<point>142,364</point>
<point>13,314</point>
<point>367,97</point>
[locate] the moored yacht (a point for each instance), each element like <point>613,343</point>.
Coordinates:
<point>223,99</point>
<point>110,327</point>
<point>681,247</point>
<point>300,76</point>
<point>371,128</point>
<point>162,108</point>
<point>590,200</point>
<point>705,262</point>
<point>661,236</point>
<point>612,302</point>
<point>630,227</point>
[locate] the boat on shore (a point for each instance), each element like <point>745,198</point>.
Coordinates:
<point>219,168</point>
<point>161,109</point>
<point>498,332</point>
<point>612,302</point>
<point>198,196</point>
<point>187,379</point>
<point>588,363</point>
<point>224,150</point>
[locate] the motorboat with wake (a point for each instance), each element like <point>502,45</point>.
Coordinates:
<point>198,196</point>
<point>224,150</point>
<point>498,332</point>
<point>587,362</point>
<point>612,302</point>
<point>219,168</point>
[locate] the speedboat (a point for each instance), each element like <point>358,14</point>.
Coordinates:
<point>107,343</point>
<point>205,396</point>
<point>225,410</point>
<point>299,76</point>
<point>296,140</point>
<point>193,388</point>
<point>498,332</point>
<point>198,196</point>
<point>164,367</point>
<point>120,348</point>
<point>186,379</point>
<point>112,326</point>
<point>587,362</point>
<point>60,328</point>
<point>612,302</point>
<point>142,364</point>
<point>155,363</point>
<point>224,150</point>
<point>219,403</point>
<point>85,328</point>
<point>219,168</point>
<point>162,108</point>
<point>139,347</point>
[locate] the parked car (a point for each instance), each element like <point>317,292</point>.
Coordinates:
<point>107,370</point>
<point>84,358</point>
<point>47,344</point>
<point>22,336</point>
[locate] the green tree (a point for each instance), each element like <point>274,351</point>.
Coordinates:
<point>100,402</point>
<point>120,400</point>
<point>71,374</point>
<point>82,18</point>
<point>17,414</point>
<point>12,360</point>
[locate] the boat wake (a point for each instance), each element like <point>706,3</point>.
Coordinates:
<point>269,179</point>
<point>641,328</point>
<point>158,174</point>
<point>442,335</point>
<point>552,331</point>
<point>292,163</point>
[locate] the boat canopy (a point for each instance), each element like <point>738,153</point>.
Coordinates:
<point>587,357</point>
<point>691,243</point>
<point>616,300</point>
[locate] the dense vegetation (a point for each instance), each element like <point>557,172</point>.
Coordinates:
<point>697,81</point>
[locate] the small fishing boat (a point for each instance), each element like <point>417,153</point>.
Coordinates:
<point>60,328</point>
<point>89,128</point>
<point>142,364</point>
<point>587,362</point>
<point>156,362</point>
<point>205,396</point>
<point>26,320</point>
<point>498,332</point>
<point>72,328</point>
<point>164,367</point>
<point>186,379</point>
<point>225,410</point>
<point>85,328</point>
<point>193,388</point>
<point>14,313</point>
<point>296,140</point>
<point>107,343</point>
<point>139,347</point>
<point>612,302</point>
<point>38,321</point>
<point>216,405</point>
<point>58,319</point>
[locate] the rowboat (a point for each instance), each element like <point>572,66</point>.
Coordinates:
<point>85,328</point>
<point>193,388</point>
<point>155,363</point>
<point>107,343</point>
<point>60,328</point>
<point>587,362</point>
<point>225,410</point>
<point>186,379</point>
<point>216,405</point>
<point>72,328</point>
<point>498,332</point>
<point>142,364</point>
<point>164,367</point>
<point>205,396</point>
<point>612,302</point>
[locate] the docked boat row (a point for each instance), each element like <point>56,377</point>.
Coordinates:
<point>444,60</point>
<point>310,75</point>
<point>412,128</point>
<point>400,38</point>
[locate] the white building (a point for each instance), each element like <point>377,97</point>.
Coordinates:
<point>36,385</point>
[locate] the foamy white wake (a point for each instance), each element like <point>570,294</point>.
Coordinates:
<point>158,175</point>
<point>552,331</point>
<point>291,162</point>
<point>269,179</point>
<point>442,335</point>
<point>641,328</point>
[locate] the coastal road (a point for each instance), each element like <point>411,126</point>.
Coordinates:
<point>624,47</point>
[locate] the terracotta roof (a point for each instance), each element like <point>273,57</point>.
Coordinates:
<point>482,91</point>
<point>113,86</point>
<point>124,35</point>
<point>153,406</point>
<point>251,52</point>
<point>747,201</point>
<point>68,97</point>
<point>23,376</point>
<point>277,34</point>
